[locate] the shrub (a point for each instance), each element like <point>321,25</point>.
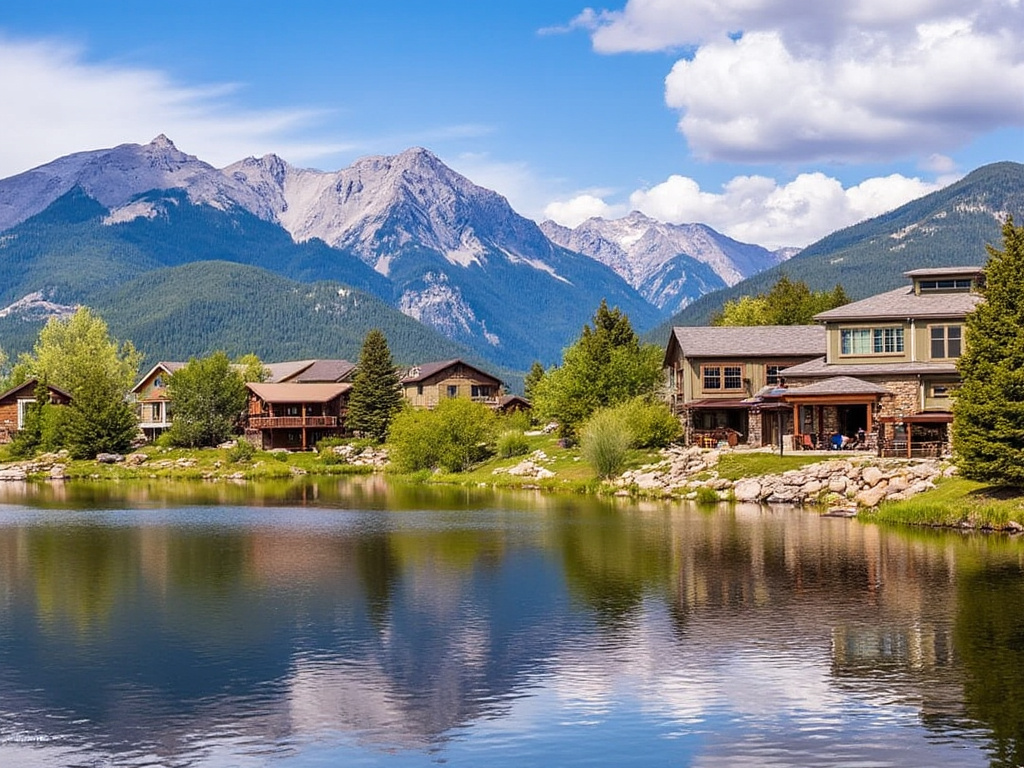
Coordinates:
<point>511,443</point>
<point>242,451</point>
<point>519,421</point>
<point>651,423</point>
<point>451,437</point>
<point>604,441</point>
<point>707,495</point>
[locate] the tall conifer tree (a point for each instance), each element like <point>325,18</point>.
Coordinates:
<point>376,394</point>
<point>988,423</point>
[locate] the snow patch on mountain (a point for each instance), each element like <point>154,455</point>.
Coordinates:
<point>663,261</point>
<point>114,176</point>
<point>140,209</point>
<point>440,304</point>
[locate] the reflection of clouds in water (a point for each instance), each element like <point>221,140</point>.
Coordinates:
<point>351,698</point>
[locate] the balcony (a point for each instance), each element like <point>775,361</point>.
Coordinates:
<point>292,422</point>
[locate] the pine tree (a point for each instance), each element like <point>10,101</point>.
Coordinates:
<point>988,412</point>
<point>376,394</point>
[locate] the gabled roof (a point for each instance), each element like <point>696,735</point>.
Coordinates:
<point>326,371</point>
<point>749,341</point>
<point>166,367</point>
<point>818,367</point>
<point>31,384</point>
<point>903,303</point>
<point>286,370</point>
<point>290,392</point>
<point>426,370</point>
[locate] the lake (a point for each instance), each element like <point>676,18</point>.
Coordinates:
<point>359,623</point>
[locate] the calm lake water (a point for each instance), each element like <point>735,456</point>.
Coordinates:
<point>352,623</point>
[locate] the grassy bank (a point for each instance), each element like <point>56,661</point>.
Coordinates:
<point>956,503</point>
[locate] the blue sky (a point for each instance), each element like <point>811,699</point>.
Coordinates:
<point>774,121</point>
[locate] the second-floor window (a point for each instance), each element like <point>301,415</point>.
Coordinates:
<point>453,390</point>
<point>946,341</point>
<point>871,341</point>
<point>722,377</point>
<point>481,390</point>
<point>771,373</point>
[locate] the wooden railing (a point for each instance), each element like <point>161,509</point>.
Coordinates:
<point>291,422</point>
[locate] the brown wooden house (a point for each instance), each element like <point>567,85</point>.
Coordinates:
<point>15,402</point>
<point>295,416</point>
<point>427,385</point>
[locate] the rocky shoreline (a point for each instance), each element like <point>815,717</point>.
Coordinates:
<point>857,481</point>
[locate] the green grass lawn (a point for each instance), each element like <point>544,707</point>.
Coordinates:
<point>734,466</point>
<point>958,503</point>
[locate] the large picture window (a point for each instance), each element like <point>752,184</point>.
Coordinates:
<point>871,341</point>
<point>946,341</point>
<point>720,378</point>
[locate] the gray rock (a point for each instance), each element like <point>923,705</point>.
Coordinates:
<point>109,458</point>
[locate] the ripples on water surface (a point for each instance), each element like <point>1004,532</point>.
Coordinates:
<point>353,623</point>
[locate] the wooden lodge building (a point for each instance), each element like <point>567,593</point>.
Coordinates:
<point>15,402</point>
<point>295,416</point>
<point>424,386</point>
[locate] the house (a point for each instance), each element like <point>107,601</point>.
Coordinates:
<point>15,402</point>
<point>889,366</point>
<point>295,416</point>
<point>713,372</point>
<point>153,405</point>
<point>152,401</point>
<point>426,385</point>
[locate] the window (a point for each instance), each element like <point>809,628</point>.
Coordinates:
<point>939,390</point>
<point>419,389</point>
<point>158,382</point>
<point>292,410</point>
<point>871,341</point>
<point>771,373</point>
<point>23,409</point>
<point>722,377</point>
<point>959,284</point>
<point>453,390</point>
<point>946,341</point>
<point>481,390</point>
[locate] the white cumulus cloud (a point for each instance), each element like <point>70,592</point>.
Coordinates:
<point>786,80</point>
<point>757,209</point>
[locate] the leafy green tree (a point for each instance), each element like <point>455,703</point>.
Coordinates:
<point>99,420</point>
<point>452,437</point>
<point>376,394</point>
<point>787,303</point>
<point>209,399</point>
<point>606,365</point>
<point>71,352</point>
<point>252,368</point>
<point>532,378</point>
<point>988,411</point>
<point>78,355</point>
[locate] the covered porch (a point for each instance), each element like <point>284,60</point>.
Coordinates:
<point>917,435</point>
<point>710,422</point>
<point>835,414</point>
<point>295,416</point>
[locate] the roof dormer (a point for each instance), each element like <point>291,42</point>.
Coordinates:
<point>946,279</point>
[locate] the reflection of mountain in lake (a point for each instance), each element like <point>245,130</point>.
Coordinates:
<point>135,631</point>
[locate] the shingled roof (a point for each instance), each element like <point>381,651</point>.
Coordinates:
<point>290,392</point>
<point>426,370</point>
<point>903,303</point>
<point>818,367</point>
<point>750,341</point>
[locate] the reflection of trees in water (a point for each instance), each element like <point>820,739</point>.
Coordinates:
<point>990,642</point>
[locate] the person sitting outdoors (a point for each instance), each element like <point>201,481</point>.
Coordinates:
<point>836,441</point>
